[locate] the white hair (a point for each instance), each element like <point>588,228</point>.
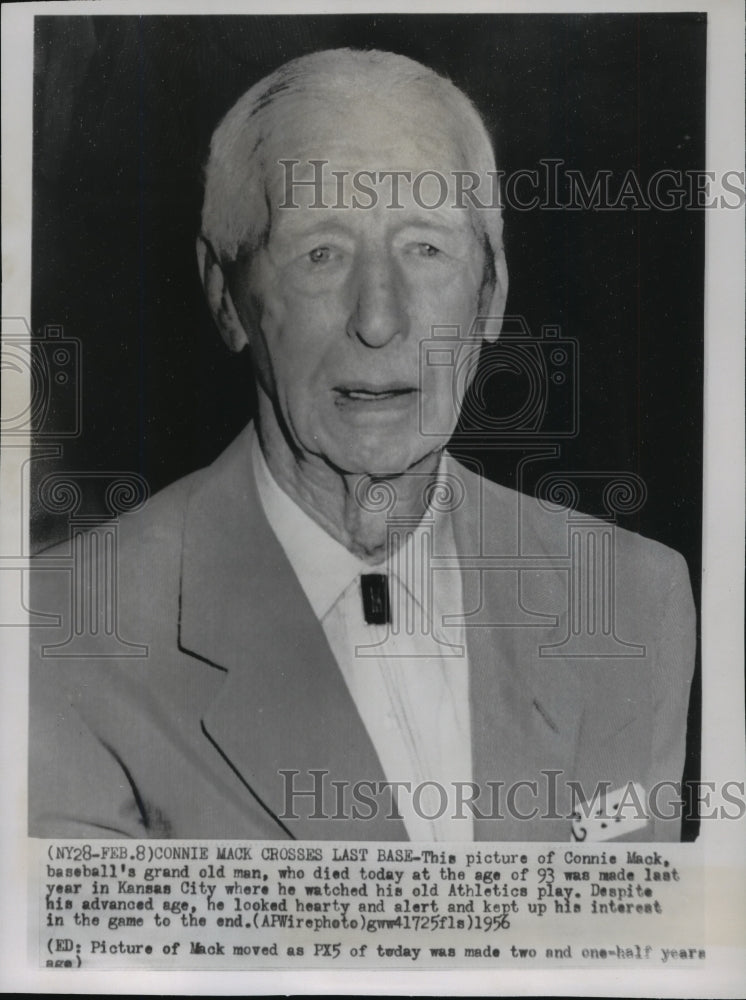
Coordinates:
<point>235,211</point>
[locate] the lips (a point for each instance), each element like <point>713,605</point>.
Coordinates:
<point>373,397</point>
<point>366,393</point>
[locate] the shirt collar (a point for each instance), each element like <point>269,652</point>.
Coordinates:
<point>324,567</point>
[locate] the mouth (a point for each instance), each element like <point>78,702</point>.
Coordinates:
<point>372,394</point>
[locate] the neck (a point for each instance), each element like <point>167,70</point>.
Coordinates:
<point>355,509</point>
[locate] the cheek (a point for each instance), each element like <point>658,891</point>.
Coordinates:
<point>299,336</point>
<point>444,380</point>
<point>448,297</point>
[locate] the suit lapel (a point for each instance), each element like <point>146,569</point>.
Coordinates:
<point>284,705</point>
<point>524,708</point>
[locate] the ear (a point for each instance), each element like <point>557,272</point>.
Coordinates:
<point>494,304</point>
<point>219,297</point>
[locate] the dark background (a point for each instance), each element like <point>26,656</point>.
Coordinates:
<point>124,111</point>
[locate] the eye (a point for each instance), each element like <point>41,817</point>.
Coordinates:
<point>319,255</point>
<point>427,250</point>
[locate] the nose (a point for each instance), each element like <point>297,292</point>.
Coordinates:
<point>377,314</point>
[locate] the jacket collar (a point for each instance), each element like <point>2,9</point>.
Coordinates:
<point>284,705</point>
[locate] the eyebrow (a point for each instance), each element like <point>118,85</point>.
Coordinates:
<point>434,225</point>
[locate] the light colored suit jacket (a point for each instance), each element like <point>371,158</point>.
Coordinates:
<point>580,641</point>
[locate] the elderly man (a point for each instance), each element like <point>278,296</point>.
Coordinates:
<point>345,633</point>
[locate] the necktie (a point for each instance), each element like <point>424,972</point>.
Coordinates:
<point>376,604</point>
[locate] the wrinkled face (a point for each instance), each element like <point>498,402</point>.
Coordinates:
<point>341,301</point>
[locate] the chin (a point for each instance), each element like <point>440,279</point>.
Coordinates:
<point>383,458</point>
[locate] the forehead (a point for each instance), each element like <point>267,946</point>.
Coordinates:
<point>345,148</point>
<point>411,122</point>
<point>399,132</point>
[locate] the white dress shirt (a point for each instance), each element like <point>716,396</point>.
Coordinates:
<point>409,679</point>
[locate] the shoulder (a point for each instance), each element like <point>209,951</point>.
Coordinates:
<point>536,527</point>
<point>138,552</point>
<point>152,535</point>
<point>157,521</point>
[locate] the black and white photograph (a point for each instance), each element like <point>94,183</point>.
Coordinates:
<point>364,492</point>
<point>323,582</point>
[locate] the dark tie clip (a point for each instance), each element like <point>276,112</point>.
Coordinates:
<point>376,604</point>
